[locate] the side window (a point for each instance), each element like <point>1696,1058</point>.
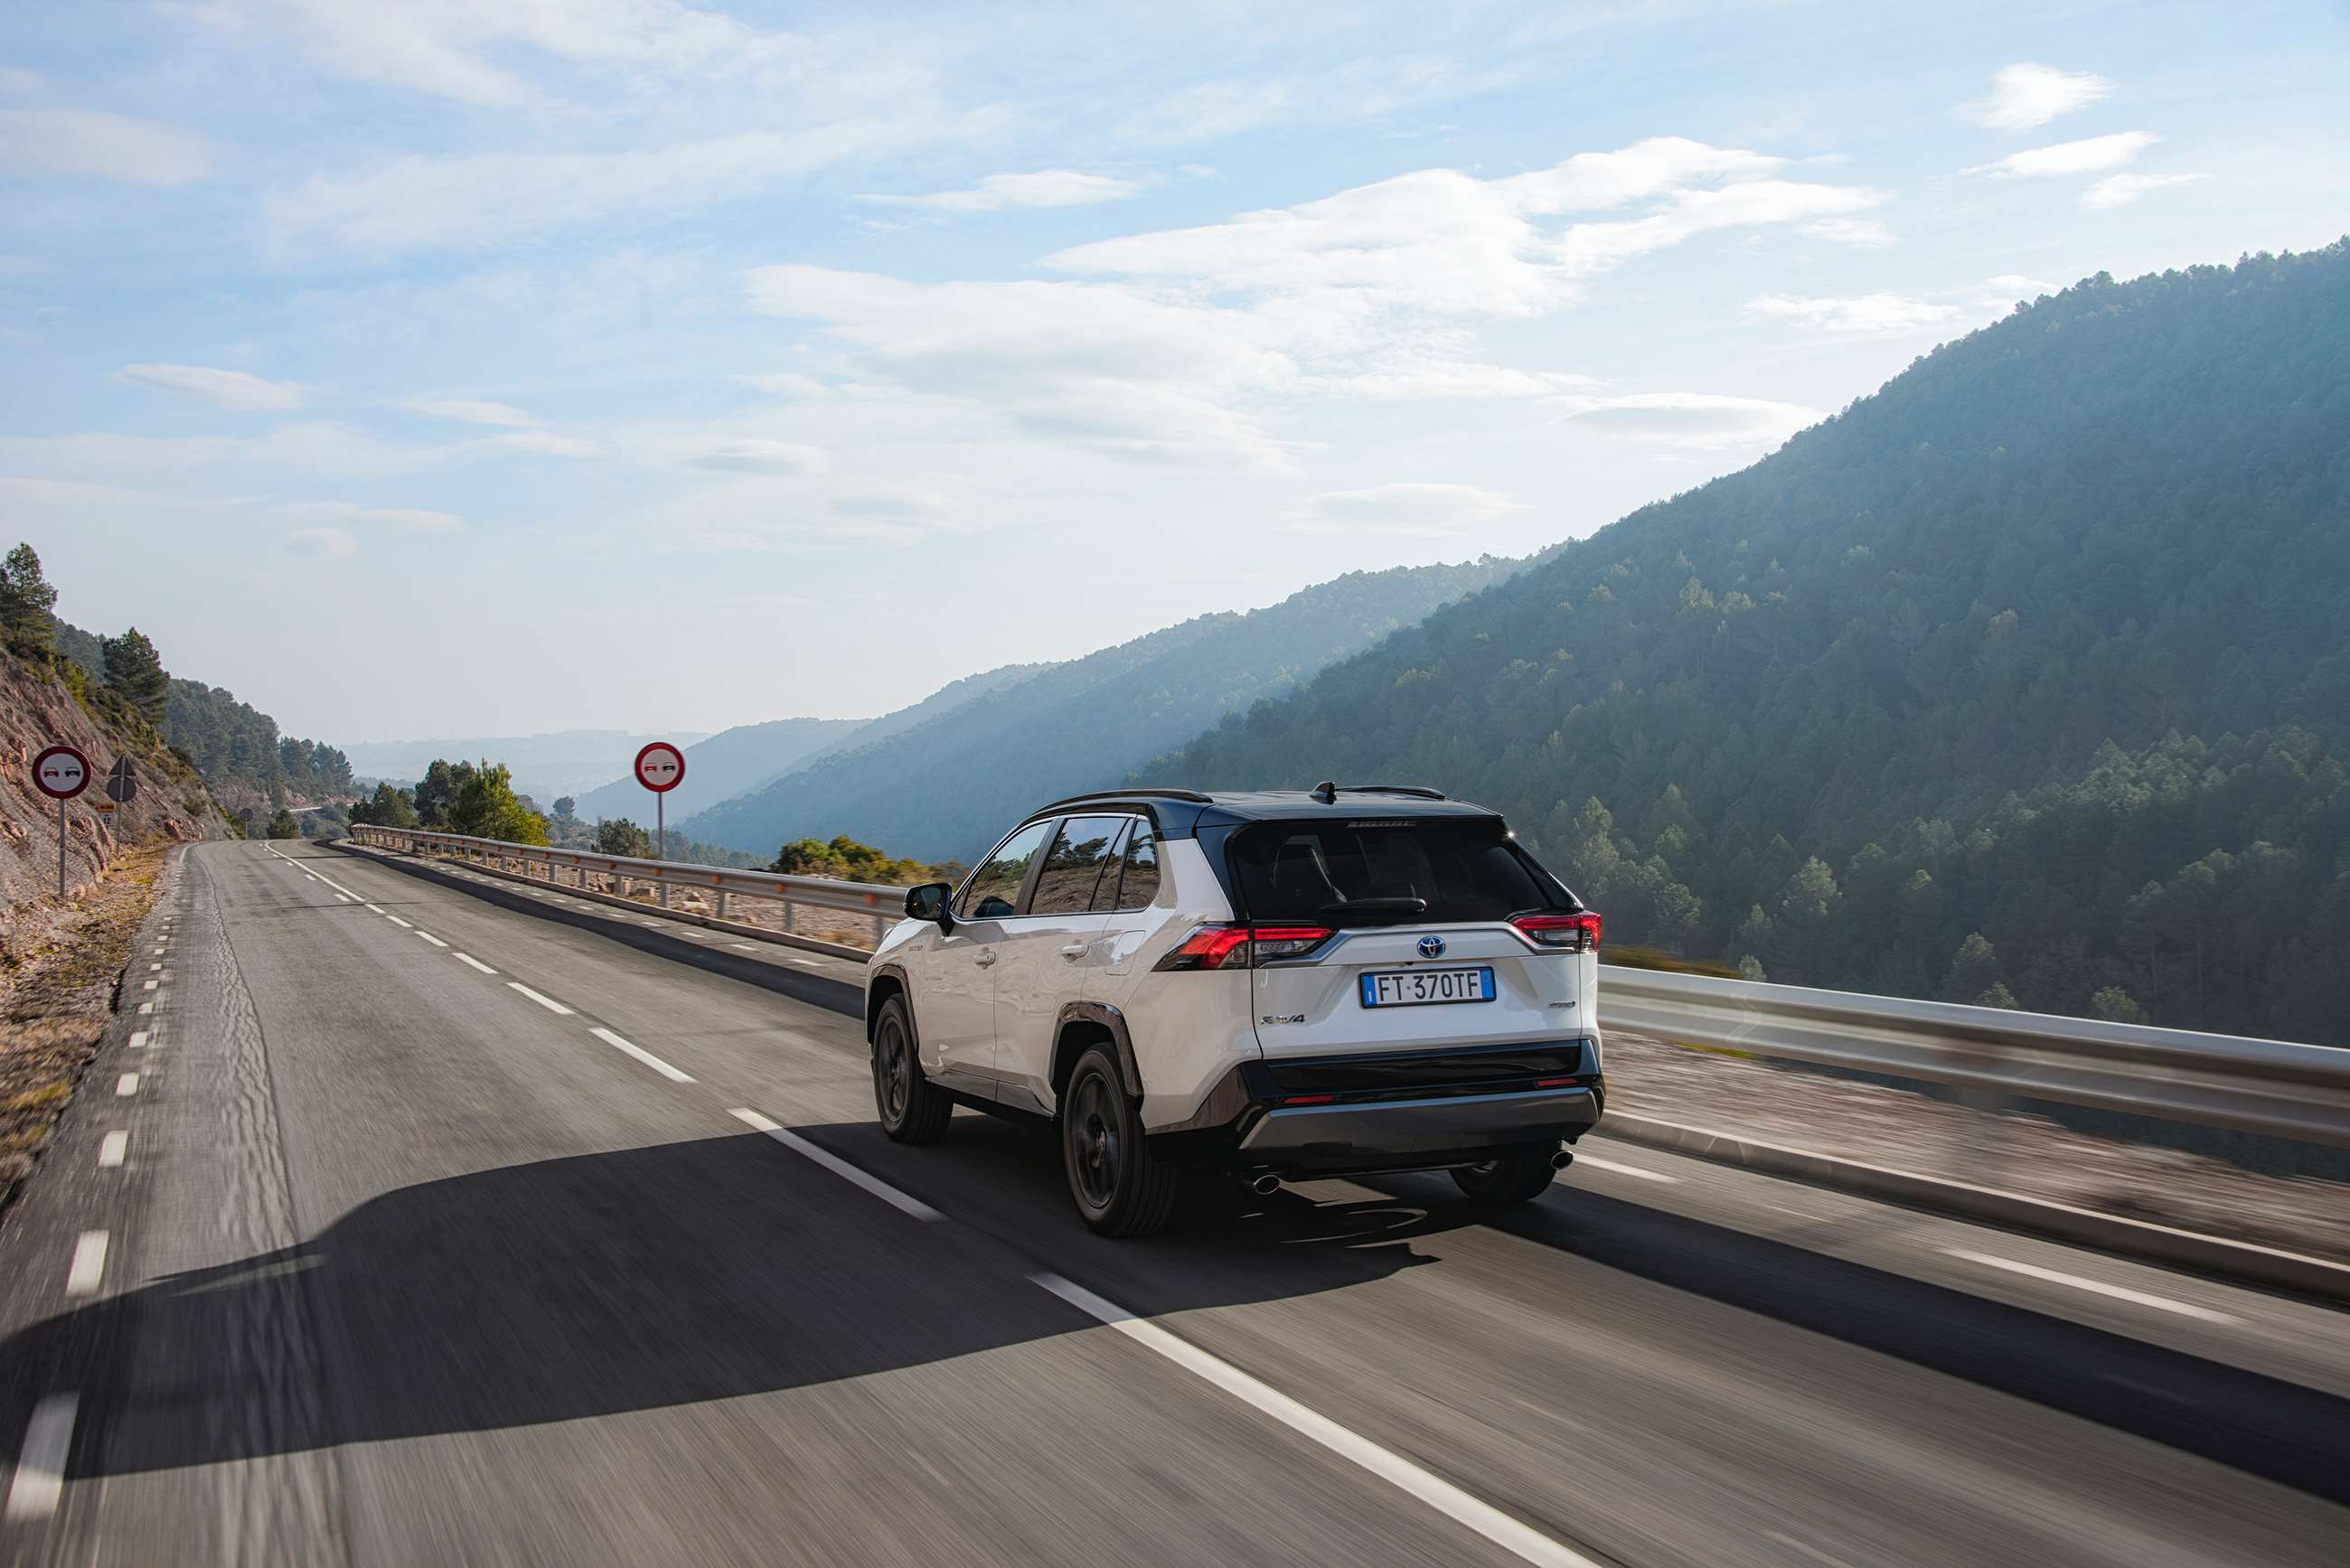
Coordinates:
<point>1140,885</point>
<point>995,888</point>
<point>1073,869</point>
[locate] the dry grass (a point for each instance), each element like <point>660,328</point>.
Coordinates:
<point>59,965</point>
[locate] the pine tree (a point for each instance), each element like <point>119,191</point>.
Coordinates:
<point>26,601</point>
<point>135,670</point>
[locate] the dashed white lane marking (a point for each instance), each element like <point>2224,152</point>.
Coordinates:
<point>147,985</point>
<point>145,1008</point>
<point>396,921</point>
<point>747,947</point>
<point>153,968</point>
<point>429,936</point>
<point>374,909</point>
<point>111,1149</point>
<point>903,1202</point>
<point>88,1266</point>
<point>127,1085</point>
<point>1597,1163</point>
<point>40,1477</point>
<point>138,1039</point>
<point>345,899</point>
<point>548,1003</point>
<point>2095,1287</point>
<point>641,1054</point>
<point>469,959</point>
<point>1520,1540</point>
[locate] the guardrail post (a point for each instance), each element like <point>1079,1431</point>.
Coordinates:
<point>661,882</point>
<point>721,903</point>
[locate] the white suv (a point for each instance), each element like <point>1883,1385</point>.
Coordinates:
<point>1278,985</point>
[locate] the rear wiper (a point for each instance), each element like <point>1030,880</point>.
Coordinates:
<point>1339,911</point>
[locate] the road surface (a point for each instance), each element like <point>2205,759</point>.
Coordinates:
<point>427,1219</point>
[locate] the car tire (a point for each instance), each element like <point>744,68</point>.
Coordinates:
<point>1516,1176</point>
<point>912,1109</point>
<point>1119,1187</point>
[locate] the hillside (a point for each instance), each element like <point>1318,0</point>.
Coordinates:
<point>942,790</point>
<point>2024,678</point>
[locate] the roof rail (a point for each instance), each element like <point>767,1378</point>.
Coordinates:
<point>1139,790</point>
<point>1418,791</point>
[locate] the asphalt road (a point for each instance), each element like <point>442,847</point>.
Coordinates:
<point>455,1223</point>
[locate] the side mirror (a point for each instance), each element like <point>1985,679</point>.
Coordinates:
<point>928,902</point>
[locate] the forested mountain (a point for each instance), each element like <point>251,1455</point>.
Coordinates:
<point>748,755</point>
<point>234,746</point>
<point>944,789</point>
<point>726,764</point>
<point>2024,679</point>
<point>560,763</point>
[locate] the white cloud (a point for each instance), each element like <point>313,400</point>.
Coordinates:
<point>1412,510</point>
<point>544,444</point>
<point>2121,189</point>
<point>1181,344</point>
<point>2084,156</point>
<point>1873,313</point>
<point>407,519</point>
<point>103,146</point>
<point>997,192</point>
<point>1850,232</point>
<point>480,199</point>
<point>2024,96</point>
<point>469,412</point>
<point>748,455</point>
<point>456,48</point>
<point>225,389</point>
<point>1346,93</point>
<point>321,543</point>
<point>1700,422</point>
<point>15,81</point>
<point>787,384</point>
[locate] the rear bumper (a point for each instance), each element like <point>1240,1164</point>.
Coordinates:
<point>1387,1133</point>
<point>1390,1111</point>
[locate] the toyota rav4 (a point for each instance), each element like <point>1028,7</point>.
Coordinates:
<point>1277,985</point>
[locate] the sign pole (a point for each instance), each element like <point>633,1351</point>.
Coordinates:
<point>61,848</point>
<point>61,773</point>
<point>661,768</point>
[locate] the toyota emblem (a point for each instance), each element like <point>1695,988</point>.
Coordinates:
<point>1431,947</point>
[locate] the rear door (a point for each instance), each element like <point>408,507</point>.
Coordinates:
<point>1423,953</point>
<point>1048,952</point>
<point>954,1001</point>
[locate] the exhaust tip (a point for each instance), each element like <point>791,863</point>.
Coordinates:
<point>1562,1160</point>
<point>1266,1186</point>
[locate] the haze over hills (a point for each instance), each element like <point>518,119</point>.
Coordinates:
<point>2024,678</point>
<point>559,763</point>
<point>942,789</point>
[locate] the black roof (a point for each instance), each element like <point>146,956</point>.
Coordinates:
<point>1180,812</point>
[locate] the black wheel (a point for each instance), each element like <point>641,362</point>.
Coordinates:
<point>1516,1176</point>
<point>911,1110</point>
<point>1120,1188</point>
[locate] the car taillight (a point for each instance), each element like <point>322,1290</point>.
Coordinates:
<point>1243,947</point>
<point>1575,933</point>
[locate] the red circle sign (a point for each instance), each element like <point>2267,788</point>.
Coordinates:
<point>61,773</point>
<point>660,767</point>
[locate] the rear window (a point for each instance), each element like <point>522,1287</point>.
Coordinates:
<point>1386,871</point>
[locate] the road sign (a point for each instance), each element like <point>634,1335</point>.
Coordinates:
<point>122,782</point>
<point>103,805</point>
<point>61,773</point>
<point>660,767</point>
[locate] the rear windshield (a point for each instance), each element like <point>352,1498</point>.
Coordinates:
<point>1387,871</point>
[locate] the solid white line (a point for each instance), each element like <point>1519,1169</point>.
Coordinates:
<point>396,921</point>
<point>641,1054</point>
<point>88,1266</point>
<point>548,1003</point>
<point>901,1201</point>
<point>41,1475</point>
<point>138,1039</point>
<point>345,899</point>
<point>111,1148</point>
<point>1597,1163</point>
<point>1519,1539</point>
<point>429,936</point>
<point>468,958</point>
<point>127,1085</point>
<point>2119,1292</point>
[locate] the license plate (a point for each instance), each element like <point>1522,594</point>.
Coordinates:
<point>1425,987</point>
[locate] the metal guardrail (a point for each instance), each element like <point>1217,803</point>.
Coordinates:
<point>719,886</point>
<point>2266,1086</point>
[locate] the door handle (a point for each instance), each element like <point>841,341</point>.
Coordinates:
<point>986,956</point>
<point>1074,951</point>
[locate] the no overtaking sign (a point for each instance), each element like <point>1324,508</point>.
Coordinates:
<point>61,773</point>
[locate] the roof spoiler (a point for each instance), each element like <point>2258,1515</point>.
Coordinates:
<point>1328,793</point>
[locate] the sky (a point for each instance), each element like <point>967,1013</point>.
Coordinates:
<point>448,368</point>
